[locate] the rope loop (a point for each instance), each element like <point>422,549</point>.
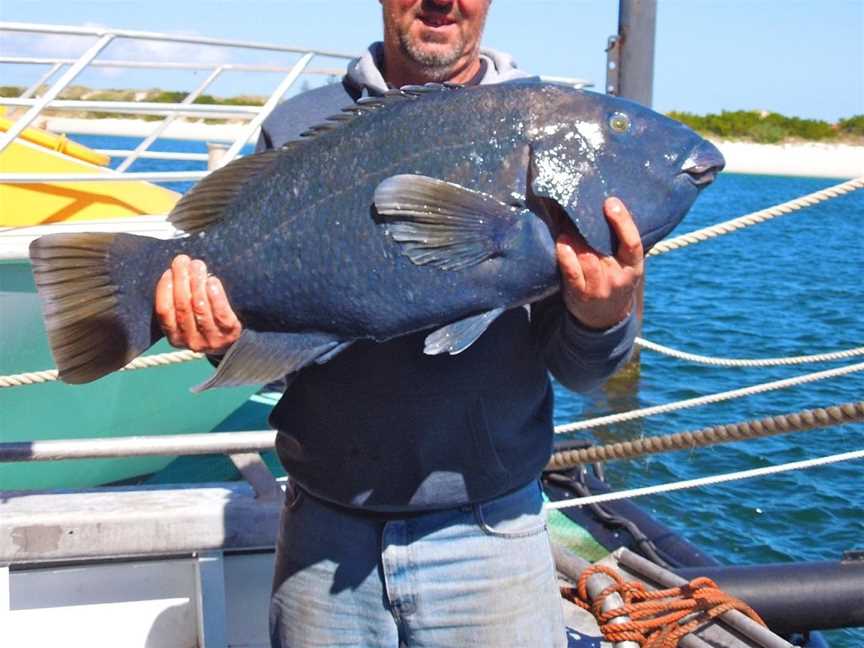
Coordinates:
<point>660,618</point>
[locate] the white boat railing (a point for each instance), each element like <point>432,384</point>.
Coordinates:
<point>57,63</point>
<point>250,116</point>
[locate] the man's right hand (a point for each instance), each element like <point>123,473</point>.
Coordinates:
<point>193,310</point>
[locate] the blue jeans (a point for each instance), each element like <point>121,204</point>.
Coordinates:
<point>475,575</point>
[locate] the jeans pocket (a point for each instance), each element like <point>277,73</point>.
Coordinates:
<point>515,515</point>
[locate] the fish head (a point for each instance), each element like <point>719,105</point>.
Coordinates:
<point>598,146</point>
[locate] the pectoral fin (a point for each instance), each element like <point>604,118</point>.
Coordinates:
<point>444,224</point>
<point>458,336</point>
<point>259,358</point>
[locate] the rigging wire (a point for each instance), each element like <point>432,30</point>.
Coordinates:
<point>706,481</point>
<point>710,398</point>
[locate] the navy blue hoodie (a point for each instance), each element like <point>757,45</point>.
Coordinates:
<point>384,427</point>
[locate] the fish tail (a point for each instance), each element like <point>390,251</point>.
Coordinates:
<point>98,315</point>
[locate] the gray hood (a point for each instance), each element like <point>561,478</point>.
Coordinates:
<point>364,72</point>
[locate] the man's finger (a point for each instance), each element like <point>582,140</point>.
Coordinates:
<point>201,310</point>
<point>629,242</point>
<point>164,306</point>
<point>183,303</point>
<point>223,315</point>
<point>568,262</point>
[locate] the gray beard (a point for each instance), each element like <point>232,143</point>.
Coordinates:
<point>437,65</point>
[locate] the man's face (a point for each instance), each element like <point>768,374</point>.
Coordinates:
<point>435,34</point>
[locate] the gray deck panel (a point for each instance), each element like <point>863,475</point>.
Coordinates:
<point>134,521</point>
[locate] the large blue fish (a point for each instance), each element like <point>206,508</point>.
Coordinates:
<point>432,207</point>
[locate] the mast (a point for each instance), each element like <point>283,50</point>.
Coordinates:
<point>630,74</point>
<point>630,53</point>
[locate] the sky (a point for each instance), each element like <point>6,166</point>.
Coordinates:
<point>797,57</point>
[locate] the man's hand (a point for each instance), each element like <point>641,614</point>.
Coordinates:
<point>193,310</point>
<point>599,290</point>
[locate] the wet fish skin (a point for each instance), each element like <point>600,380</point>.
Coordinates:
<point>422,211</point>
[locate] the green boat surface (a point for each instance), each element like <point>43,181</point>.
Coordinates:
<point>129,403</point>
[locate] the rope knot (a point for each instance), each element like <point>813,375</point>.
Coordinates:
<point>658,619</point>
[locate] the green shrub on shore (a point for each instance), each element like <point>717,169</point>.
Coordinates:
<point>171,96</point>
<point>761,126</point>
<point>853,126</point>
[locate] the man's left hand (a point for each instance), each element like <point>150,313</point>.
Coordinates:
<point>600,290</point>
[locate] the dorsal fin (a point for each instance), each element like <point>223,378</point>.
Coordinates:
<point>369,104</point>
<point>205,203</point>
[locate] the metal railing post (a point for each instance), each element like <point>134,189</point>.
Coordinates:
<point>29,92</point>
<point>215,153</point>
<point>55,89</point>
<point>165,123</point>
<point>5,591</point>
<point>268,107</point>
<point>210,595</point>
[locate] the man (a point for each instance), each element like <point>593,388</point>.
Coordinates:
<point>415,515</point>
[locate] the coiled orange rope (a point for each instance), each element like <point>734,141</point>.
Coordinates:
<point>658,618</point>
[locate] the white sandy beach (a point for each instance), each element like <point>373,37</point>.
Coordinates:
<point>794,159</point>
<point>808,159</point>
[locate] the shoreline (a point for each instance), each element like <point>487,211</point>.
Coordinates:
<point>802,159</point>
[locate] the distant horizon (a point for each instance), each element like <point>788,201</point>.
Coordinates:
<point>802,58</point>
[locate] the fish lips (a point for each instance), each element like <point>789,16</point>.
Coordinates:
<point>703,164</point>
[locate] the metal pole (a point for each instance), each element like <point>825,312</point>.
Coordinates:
<point>268,107</point>
<point>630,74</point>
<point>33,89</point>
<point>140,446</point>
<point>170,119</point>
<point>630,68</point>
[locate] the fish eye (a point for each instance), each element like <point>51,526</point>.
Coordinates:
<point>619,122</point>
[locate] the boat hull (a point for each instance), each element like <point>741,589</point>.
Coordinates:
<point>26,204</point>
<point>129,403</point>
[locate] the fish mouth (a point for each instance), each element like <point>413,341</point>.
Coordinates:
<point>703,164</point>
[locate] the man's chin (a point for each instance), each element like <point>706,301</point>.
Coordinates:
<point>435,37</point>
<point>433,55</point>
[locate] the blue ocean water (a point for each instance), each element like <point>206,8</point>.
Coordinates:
<point>788,287</point>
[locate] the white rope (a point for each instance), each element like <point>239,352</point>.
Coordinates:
<point>144,362</point>
<point>705,481</point>
<point>711,398</point>
<point>756,217</point>
<point>746,362</point>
